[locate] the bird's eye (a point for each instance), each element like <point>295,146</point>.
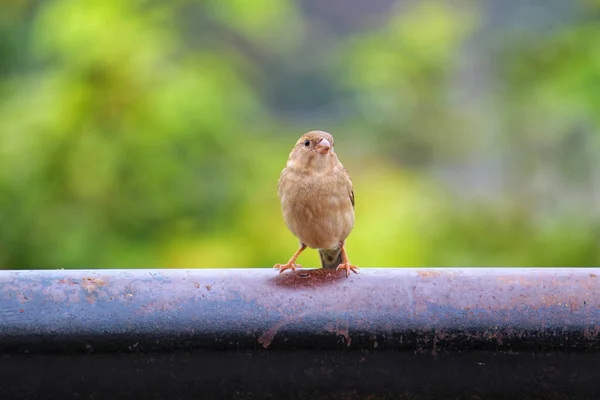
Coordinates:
<point>307,142</point>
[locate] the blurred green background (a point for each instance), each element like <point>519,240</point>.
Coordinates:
<point>150,134</point>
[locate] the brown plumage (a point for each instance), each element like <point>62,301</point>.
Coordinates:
<point>317,201</point>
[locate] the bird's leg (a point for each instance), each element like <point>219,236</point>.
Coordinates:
<point>346,264</point>
<point>292,263</point>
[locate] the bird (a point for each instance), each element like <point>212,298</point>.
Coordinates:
<point>317,201</point>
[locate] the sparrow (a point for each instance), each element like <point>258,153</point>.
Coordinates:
<point>317,200</point>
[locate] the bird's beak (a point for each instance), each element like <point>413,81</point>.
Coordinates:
<point>323,146</point>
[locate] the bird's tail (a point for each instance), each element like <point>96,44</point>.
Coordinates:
<point>330,258</point>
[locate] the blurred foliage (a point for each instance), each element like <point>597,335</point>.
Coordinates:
<point>402,75</point>
<point>143,134</point>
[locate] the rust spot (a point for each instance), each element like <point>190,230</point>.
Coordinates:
<point>20,310</point>
<point>196,285</point>
<point>267,337</point>
<point>341,329</point>
<point>592,275</point>
<point>91,284</point>
<point>309,278</point>
<point>67,281</point>
<point>208,287</point>
<point>428,274</point>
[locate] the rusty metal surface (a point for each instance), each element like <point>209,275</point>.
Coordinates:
<point>314,334</point>
<point>428,310</point>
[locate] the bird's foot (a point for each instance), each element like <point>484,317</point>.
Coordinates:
<point>348,267</point>
<point>289,265</point>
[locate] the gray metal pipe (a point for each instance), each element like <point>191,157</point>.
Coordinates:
<point>415,332</point>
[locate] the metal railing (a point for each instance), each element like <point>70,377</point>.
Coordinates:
<point>252,333</point>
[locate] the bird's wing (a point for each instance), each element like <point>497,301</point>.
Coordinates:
<point>351,188</point>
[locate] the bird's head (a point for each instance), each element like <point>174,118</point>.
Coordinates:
<point>313,150</point>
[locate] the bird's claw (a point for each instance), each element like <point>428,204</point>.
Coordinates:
<point>348,267</point>
<point>289,265</point>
